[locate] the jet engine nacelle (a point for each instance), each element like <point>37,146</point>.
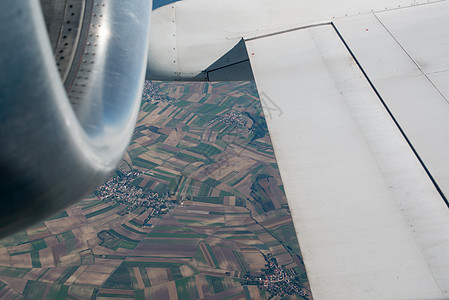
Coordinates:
<point>198,41</point>
<point>71,79</point>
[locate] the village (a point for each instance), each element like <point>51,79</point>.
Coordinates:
<point>121,190</point>
<point>277,280</point>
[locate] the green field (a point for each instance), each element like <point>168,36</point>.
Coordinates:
<point>67,235</point>
<point>177,235</point>
<point>171,241</point>
<point>100,211</point>
<point>143,163</point>
<point>205,149</point>
<point>214,200</point>
<point>34,289</point>
<point>123,237</point>
<point>58,291</point>
<point>165,228</point>
<point>14,272</point>
<point>39,244</point>
<point>59,215</point>
<point>187,158</point>
<point>35,260</point>
<point>15,239</point>
<point>212,255</point>
<point>120,279</point>
<point>126,245</point>
<point>132,229</point>
<point>137,151</point>
<point>216,283</point>
<point>150,264</point>
<point>186,288</point>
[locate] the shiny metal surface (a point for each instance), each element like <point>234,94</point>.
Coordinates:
<point>64,22</point>
<point>189,36</point>
<point>53,150</point>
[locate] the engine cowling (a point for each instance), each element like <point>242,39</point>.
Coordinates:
<point>70,90</point>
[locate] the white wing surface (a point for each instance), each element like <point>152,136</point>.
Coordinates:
<point>365,182</point>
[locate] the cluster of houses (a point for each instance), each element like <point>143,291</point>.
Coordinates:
<point>277,280</point>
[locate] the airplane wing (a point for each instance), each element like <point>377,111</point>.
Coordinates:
<point>361,134</point>
<point>355,94</point>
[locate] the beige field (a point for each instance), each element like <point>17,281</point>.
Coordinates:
<point>106,222</point>
<point>172,292</point>
<point>46,258</point>
<point>20,248</point>
<point>72,259</point>
<point>284,259</point>
<point>169,170</point>
<point>40,235</point>
<point>94,279</point>
<point>101,268</point>
<point>76,210</point>
<point>139,279</point>
<point>75,275</point>
<point>278,249</point>
<point>266,238</point>
<point>254,292</point>
<point>152,118</point>
<point>235,220</point>
<point>155,157</point>
<point>200,283</point>
<point>64,224</point>
<point>186,271</point>
<point>17,284</point>
<point>51,241</point>
<point>159,291</point>
<point>157,275</point>
<point>254,259</point>
<point>174,138</point>
<point>4,257</point>
<point>21,261</point>
<point>272,224</point>
<point>50,276</point>
<point>83,234</point>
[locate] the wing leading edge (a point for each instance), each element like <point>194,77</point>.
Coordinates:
<point>370,221</point>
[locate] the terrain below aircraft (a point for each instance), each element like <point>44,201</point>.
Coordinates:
<point>355,93</point>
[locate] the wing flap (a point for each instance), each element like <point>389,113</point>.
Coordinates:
<point>370,223</point>
<point>405,53</point>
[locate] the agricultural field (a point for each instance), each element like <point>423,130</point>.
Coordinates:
<point>195,209</point>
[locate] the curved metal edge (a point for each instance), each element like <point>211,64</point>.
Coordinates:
<point>50,156</point>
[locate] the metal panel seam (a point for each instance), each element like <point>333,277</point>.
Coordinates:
<point>392,116</point>
<point>286,31</point>
<point>409,56</point>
